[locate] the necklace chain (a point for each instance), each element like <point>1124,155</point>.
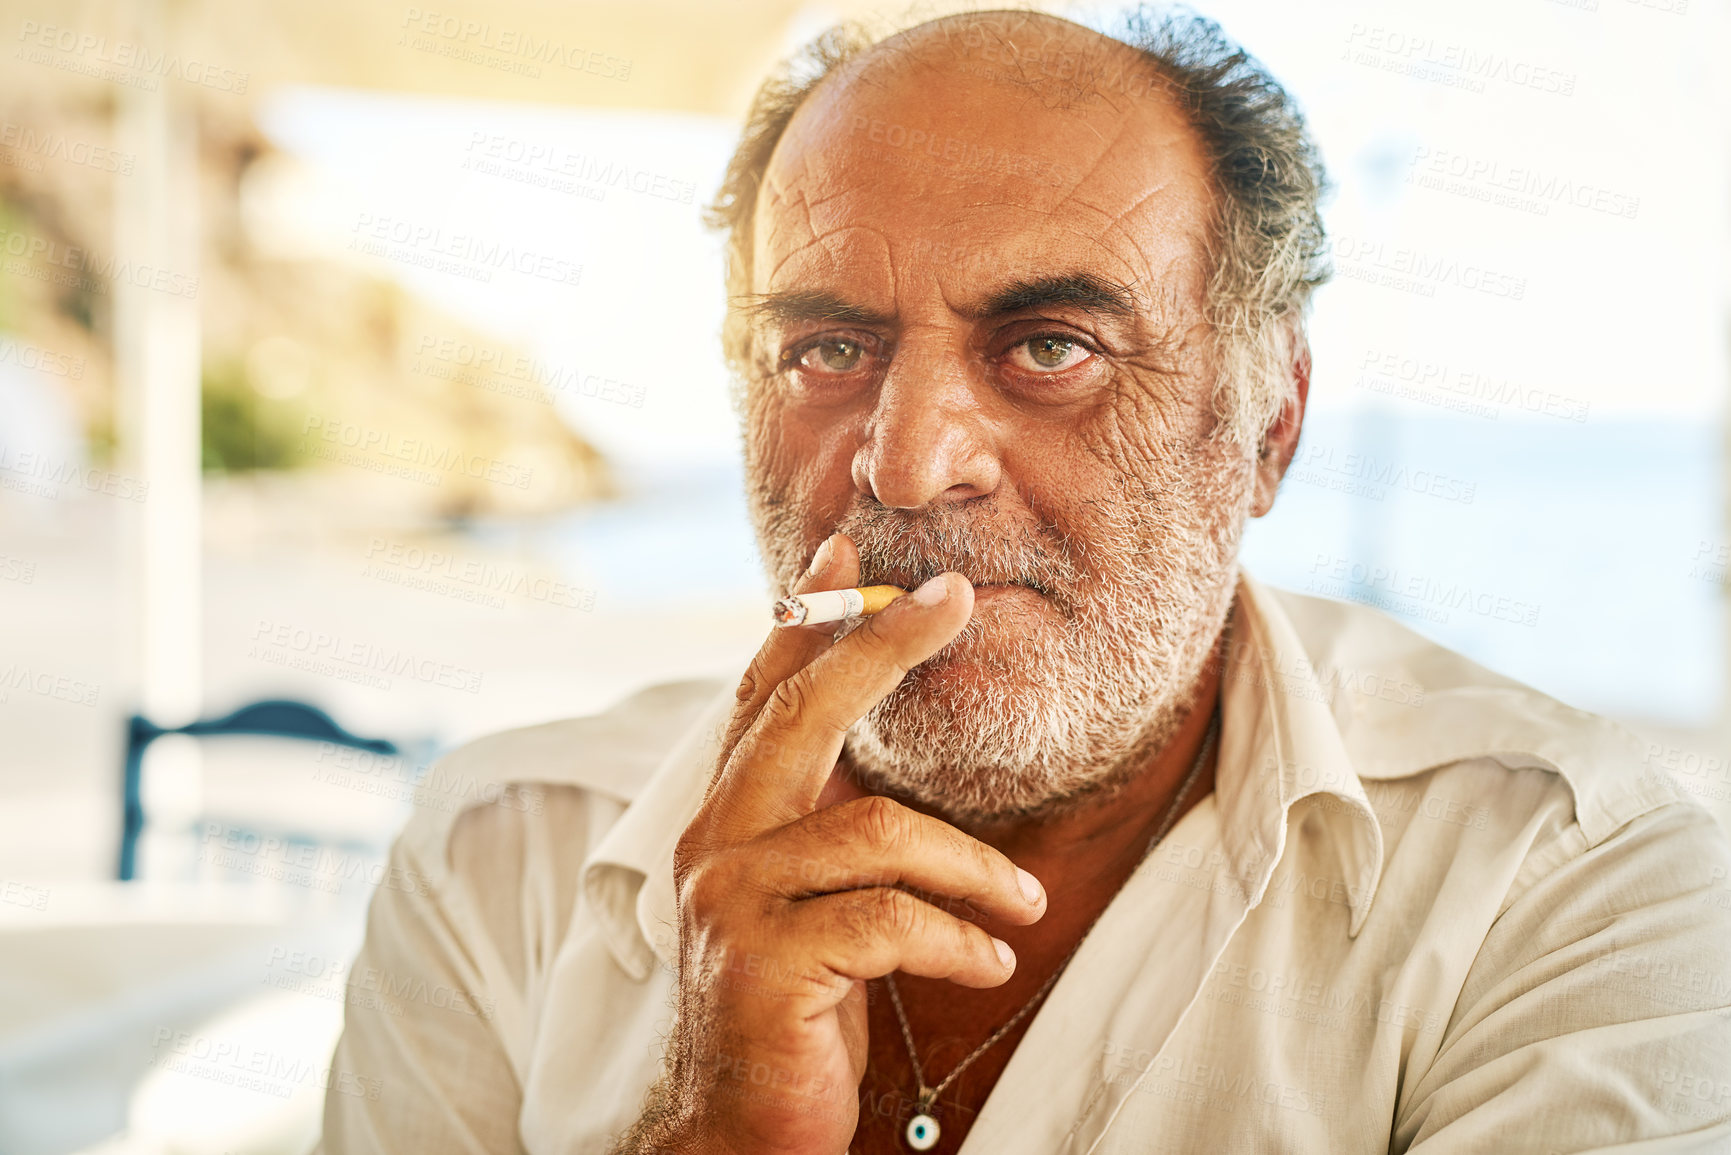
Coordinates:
<point>929,1095</point>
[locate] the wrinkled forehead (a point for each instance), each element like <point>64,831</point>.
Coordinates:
<point>960,171</point>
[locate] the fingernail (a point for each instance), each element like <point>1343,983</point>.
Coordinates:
<point>821,557</point>
<point>1031,888</point>
<point>932,592</point>
<point>1005,954</point>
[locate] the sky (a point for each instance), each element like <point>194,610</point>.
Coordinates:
<point>1522,204</point>
<point>1528,230</point>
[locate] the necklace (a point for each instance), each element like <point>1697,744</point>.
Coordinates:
<point>922,1130</point>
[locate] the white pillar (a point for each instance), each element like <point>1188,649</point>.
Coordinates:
<point>157,380</point>
<point>157,371</point>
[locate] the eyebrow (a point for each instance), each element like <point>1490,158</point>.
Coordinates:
<point>809,305</point>
<point>1081,290</point>
<point>1086,291</point>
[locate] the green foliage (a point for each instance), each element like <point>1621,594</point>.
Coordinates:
<point>10,222</point>
<point>241,430</point>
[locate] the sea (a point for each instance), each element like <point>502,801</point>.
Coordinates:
<point>1585,558</point>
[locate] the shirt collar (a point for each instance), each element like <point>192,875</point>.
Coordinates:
<point>1279,745</point>
<point>627,881</point>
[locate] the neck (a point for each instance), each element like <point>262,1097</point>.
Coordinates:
<point>1123,816</point>
<point>1083,851</point>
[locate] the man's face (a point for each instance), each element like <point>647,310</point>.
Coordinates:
<point>981,322</point>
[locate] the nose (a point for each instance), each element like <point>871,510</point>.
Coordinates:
<point>927,440</point>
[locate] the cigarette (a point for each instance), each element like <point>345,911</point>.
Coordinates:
<point>832,605</point>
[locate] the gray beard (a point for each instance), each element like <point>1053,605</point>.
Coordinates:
<point>1073,709</point>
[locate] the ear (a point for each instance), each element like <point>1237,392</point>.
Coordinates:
<point>1280,441</point>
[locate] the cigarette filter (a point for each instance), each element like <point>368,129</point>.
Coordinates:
<point>832,605</point>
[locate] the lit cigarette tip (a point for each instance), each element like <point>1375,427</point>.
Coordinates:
<point>822,606</point>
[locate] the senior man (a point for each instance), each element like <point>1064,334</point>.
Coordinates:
<point>1092,843</point>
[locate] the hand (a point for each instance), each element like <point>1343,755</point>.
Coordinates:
<point>786,910</point>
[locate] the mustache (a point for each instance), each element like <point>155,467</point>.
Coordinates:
<point>908,547</point>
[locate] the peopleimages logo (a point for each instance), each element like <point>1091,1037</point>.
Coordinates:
<point>384,447</point>
<point>556,167</point>
<point>1462,389</point>
<point>1520,187</point>
<point>13,352</point>
<point>467,255</point>
<point>958,155</point>
<point>1452,65</point>
<point>1400,267</point>
<point>1413,594</point>
<point>120,61</point>
<point>43,475</point>
<point>514,50</point>
<point>27,141</point>
<point>471,579</point>
<point>319,651</point>
<point>83,269</point>
<point>498,370</point>
<point>238,1063</point>
<point>1367,475</point>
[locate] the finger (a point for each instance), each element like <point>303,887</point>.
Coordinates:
<point>784,759</point>
<point>876,841</point>
<point>835,565</point>
<point>866,934</point>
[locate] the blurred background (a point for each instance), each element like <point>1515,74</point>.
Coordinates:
<point>360,394</point>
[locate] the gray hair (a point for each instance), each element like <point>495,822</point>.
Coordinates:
<point>1266,249</point>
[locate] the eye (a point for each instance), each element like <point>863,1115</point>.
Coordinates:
<point>835,355</point>
<point>1048,353</point>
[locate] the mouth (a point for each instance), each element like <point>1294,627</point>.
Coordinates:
<point>1001,589</point>
<point>984,586</point>
<point>1021,601</point>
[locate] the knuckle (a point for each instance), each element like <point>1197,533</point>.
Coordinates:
<point>967,947</point>
<point>895,913</point>
<point>882,822</point>
<point>748,684</point>
<point>791,698</point>
<point>687,856</point>
<point>688,884</point>
<point>976,943</point>
<point>746,693</point>
<point>797,698</point>
<point>704,888</point>
<point>870,918</point>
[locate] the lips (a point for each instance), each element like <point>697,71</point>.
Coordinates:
<point>988,593</point>
<point>910,581</point>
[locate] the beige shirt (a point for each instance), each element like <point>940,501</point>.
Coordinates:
<point>1425,909</point>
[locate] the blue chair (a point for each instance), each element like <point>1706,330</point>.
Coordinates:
<point>275,718</point>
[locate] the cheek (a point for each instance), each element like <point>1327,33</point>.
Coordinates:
<point>1056,466</point>
<point>764,444</point>
<point>1069,488</point>
<point>1149,412</point>
<point>802,465</point>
